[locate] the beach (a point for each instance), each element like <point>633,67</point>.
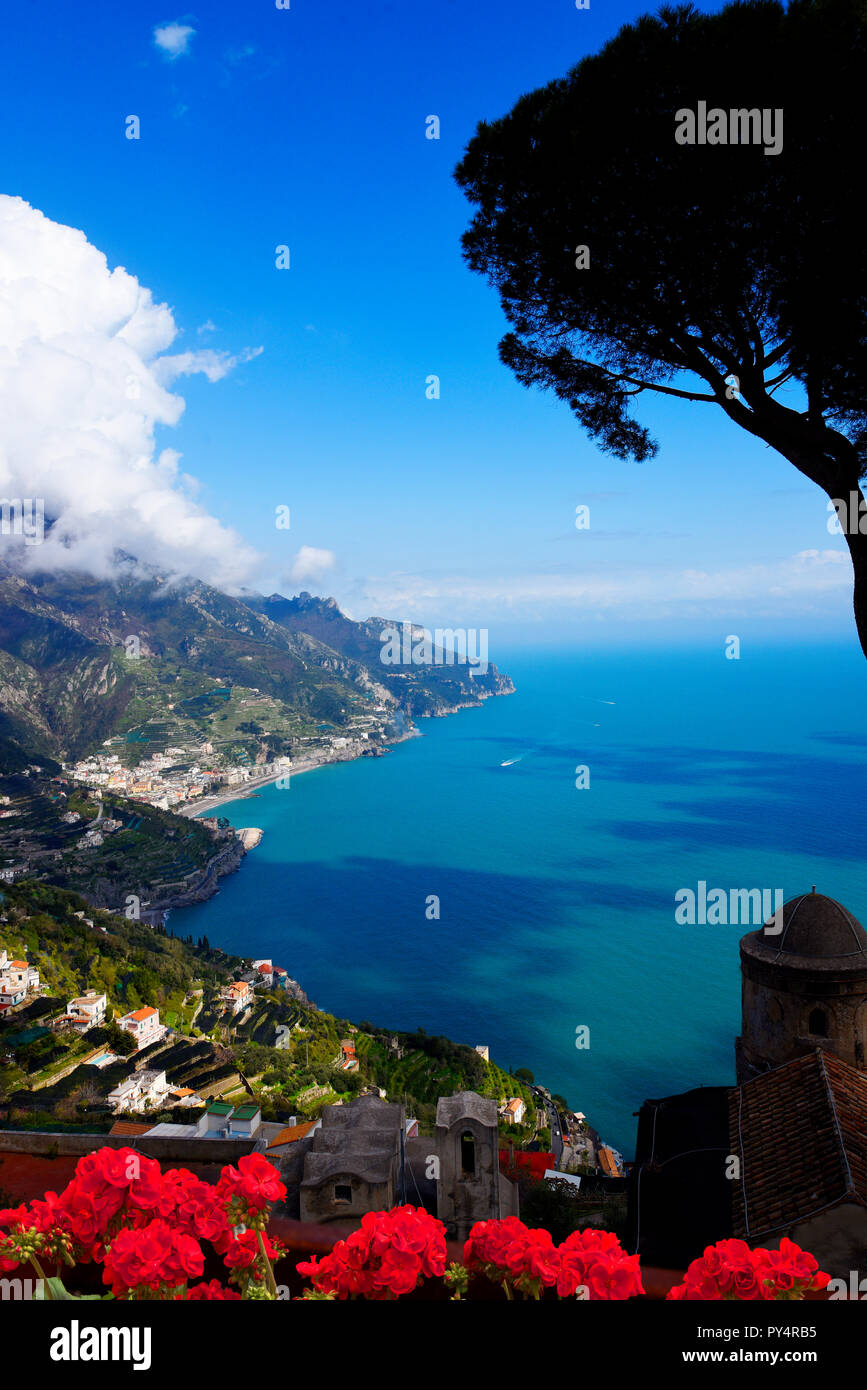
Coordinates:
<point>243,789</point>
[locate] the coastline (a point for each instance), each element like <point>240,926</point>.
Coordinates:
<point>209,884</point>
<point>246,789</point>
<point>249,789</point>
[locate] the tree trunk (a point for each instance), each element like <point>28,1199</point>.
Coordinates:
<point>831,461</point>
<point>856,539</point>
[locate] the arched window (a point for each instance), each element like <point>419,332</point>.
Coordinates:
<point>819,1023</point>
<point>468,1152</point>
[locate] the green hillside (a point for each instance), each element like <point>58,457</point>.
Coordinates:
<point>150,855</point>
<point>153,662</point>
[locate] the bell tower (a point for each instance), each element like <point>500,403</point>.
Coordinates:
<point>803,987</point>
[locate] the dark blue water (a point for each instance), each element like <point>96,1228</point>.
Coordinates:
<point>557,904</point>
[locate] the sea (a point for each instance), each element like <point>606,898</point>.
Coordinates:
<point>510,878</point>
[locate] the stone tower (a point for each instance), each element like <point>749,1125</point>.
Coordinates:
<point>470,1186</point>
<point>803,988</point>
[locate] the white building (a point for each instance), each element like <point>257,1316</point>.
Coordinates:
<point>142,1090</point>
<point>222,1120</point>
<point>16,972</point>
<point>238,996</point>
<point>17,977</point>
<point>514,1111</point>
<point>186,1096</point>
<point>245,1120</point>
<point>88,1011</point>
<point>144,1024</point>
<point>268,973</point>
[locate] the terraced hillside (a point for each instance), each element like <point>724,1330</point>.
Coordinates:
<point>146,855</point>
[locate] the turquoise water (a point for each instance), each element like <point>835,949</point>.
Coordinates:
<point>557,904</point>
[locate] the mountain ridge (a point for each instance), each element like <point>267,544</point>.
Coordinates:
<point>84,660</point>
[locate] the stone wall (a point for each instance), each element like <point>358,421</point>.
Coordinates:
<point>164,1148</point>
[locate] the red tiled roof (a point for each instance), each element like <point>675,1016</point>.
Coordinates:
<point>801,1136</point>
<point>141,1014</point>
<point>607,1162</point>
<point>291,1134</point>
<point>129,1127</point>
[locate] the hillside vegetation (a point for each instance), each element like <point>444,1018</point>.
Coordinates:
<point>154,663</point>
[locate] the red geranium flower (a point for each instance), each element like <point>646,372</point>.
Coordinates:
<point>387,1257</point>
<point>151,1257</point>
<point>731,1270</point>
<point>210,1291</point>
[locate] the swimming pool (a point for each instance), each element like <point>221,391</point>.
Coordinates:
<point>102,1060</point>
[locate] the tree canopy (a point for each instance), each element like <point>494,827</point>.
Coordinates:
<point>721,273</point>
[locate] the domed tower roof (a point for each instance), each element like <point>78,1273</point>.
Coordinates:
<point>818,932</point>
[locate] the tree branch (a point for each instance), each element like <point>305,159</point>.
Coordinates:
<point>779,351</point>
<point>663,390</point>
<point>758,345</point>
<point>778,380</point>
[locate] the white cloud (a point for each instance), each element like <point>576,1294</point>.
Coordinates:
<point>207,327</point>
<point>311,565</point>
<point>211,363</point>
<point>173,39</point>
<point>810,581</point>
<point>83,388</point>
<point>823,557</point>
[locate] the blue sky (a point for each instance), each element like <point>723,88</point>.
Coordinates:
<point>306,127</point>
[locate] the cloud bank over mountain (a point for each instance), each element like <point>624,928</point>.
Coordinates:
<point>85,381</point>
<point>808,582</point>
